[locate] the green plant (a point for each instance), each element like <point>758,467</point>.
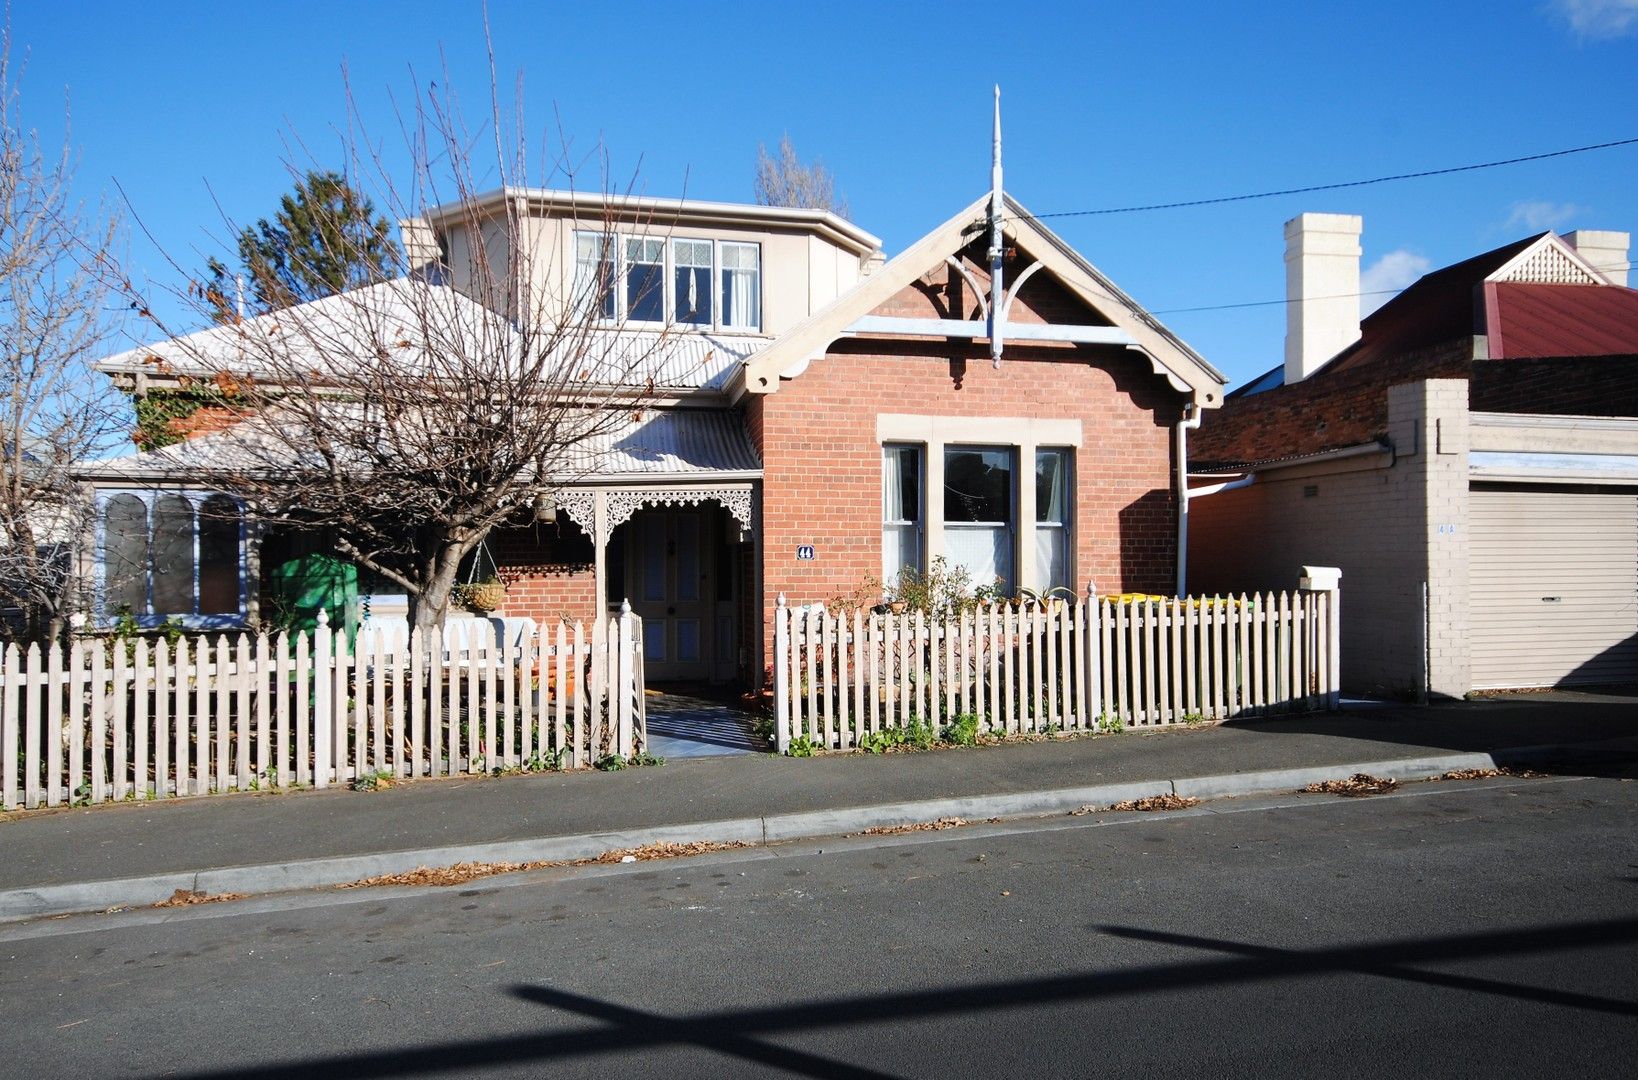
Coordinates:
<point>940,590</point>
<point>1111,724</point>
<point>546,761</point>
<point>919,734</point>
<point>378,780</point>
<point>962,731</point>
<point>801,746</point>
<point>643,757</point>
<point>610,763</point>
<point>1193,719</point>
<point>880,742</point>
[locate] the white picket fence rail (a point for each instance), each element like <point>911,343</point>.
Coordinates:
<point>103,720</point>
<point>1055,666</point>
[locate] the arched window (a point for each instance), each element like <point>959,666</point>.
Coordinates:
<point>218,556</point>
<point>125,562</point>
<point>173,555</point>
<point>172,551</point>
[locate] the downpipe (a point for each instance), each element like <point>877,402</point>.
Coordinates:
<point>1190,422</point>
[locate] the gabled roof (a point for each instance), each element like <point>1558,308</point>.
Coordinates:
<point>1538,321</point>
<point>787,356</point>
<point>1541,278</point>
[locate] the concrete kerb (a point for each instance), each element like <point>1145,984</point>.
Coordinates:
<point>31,903</point>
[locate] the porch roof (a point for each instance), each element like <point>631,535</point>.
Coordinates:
<point>673,444</point>
<point>657,444</point>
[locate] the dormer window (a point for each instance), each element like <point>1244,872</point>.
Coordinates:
<point>687,281</point>
<point>691,281</point>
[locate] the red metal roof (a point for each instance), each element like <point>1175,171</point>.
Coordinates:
<point>1538,321</point>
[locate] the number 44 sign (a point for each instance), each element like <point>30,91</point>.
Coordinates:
<point>804,552</point>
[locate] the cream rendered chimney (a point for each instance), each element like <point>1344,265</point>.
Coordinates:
<point>1321,290</point>
<point>1607,251</point>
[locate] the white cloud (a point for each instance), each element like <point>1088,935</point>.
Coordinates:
<point>1538,215</point>
<point>1599,20</point>
<point>1387,276</point>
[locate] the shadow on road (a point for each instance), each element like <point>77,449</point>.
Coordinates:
<point>742,1034</point>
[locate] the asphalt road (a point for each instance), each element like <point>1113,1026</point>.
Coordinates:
<point>1486,929</point>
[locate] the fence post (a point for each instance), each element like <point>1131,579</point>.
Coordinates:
<point>626,684</point>
<point>782,676</point>
<point>323,715</point>
<point>1328,580</point>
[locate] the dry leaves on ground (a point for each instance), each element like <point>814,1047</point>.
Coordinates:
<point>185,898</point>
<point>1155,802</point>
<point>1485,774</point>
<point>461,873</point>
<point>920,826</point>
<point>1357,784</point>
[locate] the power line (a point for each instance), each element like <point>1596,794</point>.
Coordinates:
<point>1338,187</point>
<point>1271,303</point>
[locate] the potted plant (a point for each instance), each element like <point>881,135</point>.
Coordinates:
<point>484,596</point>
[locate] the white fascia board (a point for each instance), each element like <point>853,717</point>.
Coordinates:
<point>977,328</point>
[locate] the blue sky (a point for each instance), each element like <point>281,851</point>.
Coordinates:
<point>187,105</point>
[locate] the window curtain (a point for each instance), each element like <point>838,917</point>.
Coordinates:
<point>1051,520</point>
<point>901,512</point>
<point>741,297</point>
<point>984,551</point>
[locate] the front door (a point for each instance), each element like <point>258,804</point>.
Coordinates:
<point>669,580</point>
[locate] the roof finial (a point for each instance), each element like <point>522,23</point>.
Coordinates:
<point>996,249</point>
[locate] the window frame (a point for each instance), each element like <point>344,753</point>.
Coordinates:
<point>1066,476</point>
<point>616,306</point>
<point>1025,436</point>
<point>890,578</point>
<point>1009,526</point>
<point>148,618</point>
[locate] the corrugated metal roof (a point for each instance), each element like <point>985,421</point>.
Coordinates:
<point>672,359</point>
<point>653,442</point>
<point>1540,321</point>
<point>675,442</point>
<point>415,323</point>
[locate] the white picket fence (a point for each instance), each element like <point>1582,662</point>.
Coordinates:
<point>1055,666</point>
<point>105,720</point>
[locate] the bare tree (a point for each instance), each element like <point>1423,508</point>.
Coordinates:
<point>54,257</point>
<point>784,179</point>
<point>405,418</point>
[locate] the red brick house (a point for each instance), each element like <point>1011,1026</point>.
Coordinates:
<point>824,419</point>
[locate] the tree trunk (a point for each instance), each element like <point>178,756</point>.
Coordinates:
<point>431,608</point>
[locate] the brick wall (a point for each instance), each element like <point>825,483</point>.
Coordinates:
<point>547,568</point>
<point>1324,412</point>
<point>822,459</point>
<point>1570,386</point>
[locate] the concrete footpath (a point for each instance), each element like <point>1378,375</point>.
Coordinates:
<point>84,860</point>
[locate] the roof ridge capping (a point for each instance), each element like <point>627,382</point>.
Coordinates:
<point>825,221</point>
<point>788,355</point>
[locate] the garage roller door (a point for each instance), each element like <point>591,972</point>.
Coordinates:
<point>1554,587</point>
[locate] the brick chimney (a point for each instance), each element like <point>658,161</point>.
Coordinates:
<point>1321,290</point>
<point>1606,251</point>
